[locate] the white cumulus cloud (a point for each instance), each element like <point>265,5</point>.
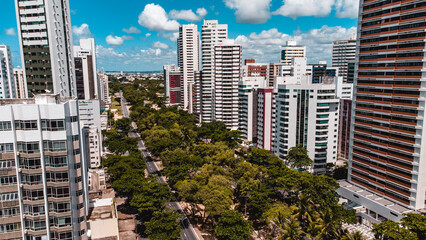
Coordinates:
<point>155,18</point>
<point>81,32</point>
<point>347,8</point>
<point>265,46</point>
<point>302,8</point>
<point>148,35</point>
<point>160,45</point>
<point>132,29</point>
<point>10,31</point>
<point>173,36</point>
<point>188,15</point>
<point>114,40</point>
<point>250,11</point>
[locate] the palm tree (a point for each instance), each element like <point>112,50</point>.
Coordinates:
<point>353,236</point>
<point>291,229</point>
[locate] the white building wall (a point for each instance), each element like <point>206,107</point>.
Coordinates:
<point>212,33</point>
<point>188,60</point>
<point>7,83</point>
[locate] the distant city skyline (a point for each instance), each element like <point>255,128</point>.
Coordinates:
<point>141,36</point>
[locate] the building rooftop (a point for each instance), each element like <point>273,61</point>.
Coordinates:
<point>374,197</point>
<point>38,99</point>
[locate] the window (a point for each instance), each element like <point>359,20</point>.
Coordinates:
<point>7,164</point>
<point>31,179</point>
<point>57,176</point>
<point>60,221</point>
<point>54,146</point>
<point>58,192</point>
<point>6,148</point>
<point>35,210</point>
<point>9,212</point>
<point>35,225</point>
<point>5,126</point>
<point>11,227</point>
<point>59,207</point>
<point>8,180</point>
<point>73,119</point>
<point>28,148</point>
<point>6,197</point>
<point>32,195</point>
<point>61,235</point>
<point>56,161</point>
<point>30,163</point>
<point>52,125</point>
<point>26,125</point>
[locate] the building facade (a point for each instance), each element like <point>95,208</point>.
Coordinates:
<point>344,53</point>
<point>247,107</point>
<point>87,80</point>
<point>43,171</point>
<point>7,82</point>
<point>290,51</point>
<point>387,168</point>
<point>188,45</point>
<point>227,75</point>
<point>20,84</point>
<point>172,84</point>
<point>212,33</point>
<point>265,119</point>
<point>45,36</point>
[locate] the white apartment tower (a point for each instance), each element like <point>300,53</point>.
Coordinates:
<point>20,84</point>
<point>227,74</point>
<point>188,45</point>
<point>212,33</point>
<point>42,169</point>
<point>247,106</point>
<point>290,51</point>
<point>45,38</point>
<point>7,83</point>
<point>343,53</point>
<point>307,114</point>
<point>87,81</point>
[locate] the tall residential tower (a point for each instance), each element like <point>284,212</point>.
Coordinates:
<point>212,33</point>
<point>188,45</point>
<point>343,55</point>
<point>45,38</point>
<point>7,82</point>
<point>387,164</point>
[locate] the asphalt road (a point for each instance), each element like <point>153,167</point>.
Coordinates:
<point>188,232</point>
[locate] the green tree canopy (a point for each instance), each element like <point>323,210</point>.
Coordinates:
<point>232,226</point>
<point>298,158</point>
<point>164,225</point>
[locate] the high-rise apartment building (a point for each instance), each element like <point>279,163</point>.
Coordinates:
<point>45,37</point>
<point>290,51</point>
<point>247,105</point>
<point>7,83</point>
<point>20,84</point>
<point>42,170</point>
<point>227,75</point>
<point>172,84</point>
<point>87,80</point>
<point>104,91</point>
<point>306,114</point>
<point>265,118</point>
<point>387,167</point>
<point>212,33</point>
<point>321,72</point>
<point>344,53</point>
<point>188,45</point>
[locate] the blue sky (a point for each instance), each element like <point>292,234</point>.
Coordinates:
<point>140,35</point>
